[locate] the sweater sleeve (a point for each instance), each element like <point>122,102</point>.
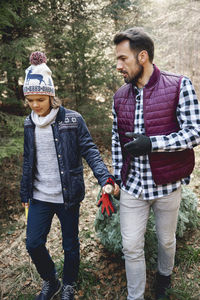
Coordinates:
<point>188,116</point>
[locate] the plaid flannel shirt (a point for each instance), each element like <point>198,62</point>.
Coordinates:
<point>140,181</point>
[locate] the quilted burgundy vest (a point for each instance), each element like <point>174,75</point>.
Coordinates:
<point>160,99</point>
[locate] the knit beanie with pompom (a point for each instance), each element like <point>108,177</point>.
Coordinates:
<point>38,76</point>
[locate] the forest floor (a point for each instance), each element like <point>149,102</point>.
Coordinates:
<point>102,274</point>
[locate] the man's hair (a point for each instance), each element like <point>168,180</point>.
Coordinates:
<point>138,39</point>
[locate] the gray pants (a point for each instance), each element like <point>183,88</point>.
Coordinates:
<point>134,215</point>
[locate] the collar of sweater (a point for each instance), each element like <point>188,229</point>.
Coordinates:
<point>44,121</point>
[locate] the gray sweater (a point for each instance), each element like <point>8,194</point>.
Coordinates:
<point>47,184</point>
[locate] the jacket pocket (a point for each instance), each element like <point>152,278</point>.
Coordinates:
<point>77,184</point>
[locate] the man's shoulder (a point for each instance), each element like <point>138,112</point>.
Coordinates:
<point>181,77</point>
<point>172,79</point>
<point>123,91</point>
<point>171,74</point>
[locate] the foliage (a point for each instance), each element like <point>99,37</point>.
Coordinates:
<point>54,41</point>
<point>11,133</point>
<point>75,52</point>
<point>116,10</point>
<point>188,215</point>
<point>18,23</point>
<point>72,39</point>
<point>124,13</point>
<point>98,119</point>
<point>75,37</point>
<point>108,228</point>
<point>178,31</point>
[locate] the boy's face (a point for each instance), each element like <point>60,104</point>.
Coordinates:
<point>40,104</point>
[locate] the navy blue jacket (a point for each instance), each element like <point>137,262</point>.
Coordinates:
<point>72,141</point>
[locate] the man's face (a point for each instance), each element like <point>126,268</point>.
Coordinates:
<point>127,63</point>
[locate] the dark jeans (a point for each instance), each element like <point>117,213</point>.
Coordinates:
<point>39,223</point>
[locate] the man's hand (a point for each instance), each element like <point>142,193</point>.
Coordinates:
<point>141,144</point>
<point>116,191</point>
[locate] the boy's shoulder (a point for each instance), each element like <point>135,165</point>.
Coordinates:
<point>28,121</point>
<point>70,112</point>
<point>70,118</point>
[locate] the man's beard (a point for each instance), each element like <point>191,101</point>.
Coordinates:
<point>136,77</point>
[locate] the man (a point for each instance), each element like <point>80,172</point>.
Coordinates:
<point>156,125</point>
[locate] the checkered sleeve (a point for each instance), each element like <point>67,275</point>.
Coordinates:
<point>116,148</point>
<point>188,116</point>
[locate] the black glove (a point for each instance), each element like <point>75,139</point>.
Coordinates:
<point>140,145</point>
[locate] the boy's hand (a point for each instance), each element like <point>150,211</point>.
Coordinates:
<point>106,204</point>
<point>26,207</point>
<point>109,186</point>
<point>25,204</point>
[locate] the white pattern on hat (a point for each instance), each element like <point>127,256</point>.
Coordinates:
<point>38,78</point>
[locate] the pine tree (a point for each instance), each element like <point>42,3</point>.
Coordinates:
<point>125,13</point>
<point>116,10</point>
<point>18,22</point>
<point>72,48</point>
<point>53,40</point>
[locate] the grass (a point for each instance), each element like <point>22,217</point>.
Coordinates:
<point>103,277</point>
<point>101,274</point>
<point>186,276</point>
<point>10,204</point>
<point>100,284</point>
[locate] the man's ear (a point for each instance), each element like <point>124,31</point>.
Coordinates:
<point>143,57</point>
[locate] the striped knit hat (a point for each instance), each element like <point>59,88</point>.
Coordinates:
<point>38,78</point>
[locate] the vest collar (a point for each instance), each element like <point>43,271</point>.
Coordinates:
<point>154,78</point>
